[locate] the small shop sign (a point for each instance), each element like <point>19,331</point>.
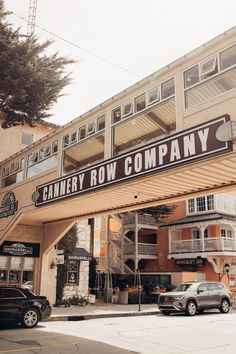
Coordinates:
<point>12,248</point>
<point>9,205</point>
<point>190,262</point>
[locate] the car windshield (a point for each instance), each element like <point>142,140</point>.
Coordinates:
<point>184,287</point>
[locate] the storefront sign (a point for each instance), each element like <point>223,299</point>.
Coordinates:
<point>12,248</point>
<point>9,205</point>
<point>182,148</point>
<point>190,261</point>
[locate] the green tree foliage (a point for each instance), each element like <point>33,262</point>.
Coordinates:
<point>30,80</point>
<point>68,244</point>
<point>158,212</point>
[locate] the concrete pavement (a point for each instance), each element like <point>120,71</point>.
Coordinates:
<point>101,310</point>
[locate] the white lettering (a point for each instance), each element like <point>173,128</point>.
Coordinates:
<point>81,181</point>
<point>138,162</point>
<point>150,158</point>
<point>128,168</point>
<point>189,145</point>
<point>56,190</point>
<point>74,186</point>
<point>45,193</point>
<point>162,153</point>
<point>174,152</point>
<point>203,135</point>
<point>68,186</point>
<point>93,181</point>
<point>101,175</point>
<point>111,171</point>
<point>50,192</point>
<point>63,187</point>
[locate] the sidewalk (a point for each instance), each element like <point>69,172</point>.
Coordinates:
<point>101,310</point>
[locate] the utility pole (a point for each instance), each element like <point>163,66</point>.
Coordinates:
<point>31,17</point>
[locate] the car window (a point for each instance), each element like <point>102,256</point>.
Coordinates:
<point>11,293</point>
<point>203,287</point>
<point>220,286</point>
<point>183,287</point>
<point>212,286</point>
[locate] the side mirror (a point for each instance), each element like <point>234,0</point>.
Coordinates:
<point>200,291</point>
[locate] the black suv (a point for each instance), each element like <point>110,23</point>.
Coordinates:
<point>193,297</point>
<point>19,305</point>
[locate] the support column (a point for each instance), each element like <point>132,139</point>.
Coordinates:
<point>136,242</point>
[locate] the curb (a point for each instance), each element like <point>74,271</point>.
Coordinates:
<point>96,316</point>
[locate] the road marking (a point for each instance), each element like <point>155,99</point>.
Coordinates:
<point>33,348</point>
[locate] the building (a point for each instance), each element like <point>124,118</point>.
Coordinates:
<point>166,139</point>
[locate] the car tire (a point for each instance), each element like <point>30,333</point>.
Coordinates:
<point>225,306</point>
<point>191,308</point>
<point>30,318</point>
<point>165,313</point>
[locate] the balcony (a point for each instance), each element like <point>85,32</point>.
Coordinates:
<point>142,219</point>
<point>211,244</point>
<point>144,249</point>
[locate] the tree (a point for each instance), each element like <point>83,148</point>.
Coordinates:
<point>30,80</point>
<point>158,212</point>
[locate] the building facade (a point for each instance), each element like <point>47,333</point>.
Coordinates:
<point>167,138</point>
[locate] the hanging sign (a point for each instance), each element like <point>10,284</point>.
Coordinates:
<point>185,147</point>
<point>9,205</point>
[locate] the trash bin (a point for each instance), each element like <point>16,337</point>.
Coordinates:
<point>123,297</point>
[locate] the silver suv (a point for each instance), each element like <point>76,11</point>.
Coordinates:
<point>193,297</point>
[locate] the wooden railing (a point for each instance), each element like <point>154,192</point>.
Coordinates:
<point>207,245</point>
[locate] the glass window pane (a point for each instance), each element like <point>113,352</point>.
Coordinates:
<point>191,76</point>
<point>3,262</point>
<point>153,95</point>
<point>140,102</point>
<point>82,132</point>
<point>66,141</point>
<point>101,123</point>
<point>3,275</point>
<point>228,58</point>
<point>116,115</point>
<point>209,68</point>
<point>91,128</point>
<point>127,109</point>
<point>191,208</point>
<point>73,137</point>
<point>168,88</point>
<point>210,202</point>
<point>28,263</point>
<point>42,166</point>
<point>16,262</point>
<point>201,204</point>
<point>54,147</point>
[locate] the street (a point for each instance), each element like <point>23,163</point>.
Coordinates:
<point>208,333</point>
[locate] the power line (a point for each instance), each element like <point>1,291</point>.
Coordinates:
<point>83,49</point>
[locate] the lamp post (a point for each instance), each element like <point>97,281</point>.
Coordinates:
<point>139,289</point>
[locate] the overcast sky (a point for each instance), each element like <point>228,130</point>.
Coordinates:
<point>118,42</point>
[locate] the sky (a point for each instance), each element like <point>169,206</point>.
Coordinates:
<point>118,42</point>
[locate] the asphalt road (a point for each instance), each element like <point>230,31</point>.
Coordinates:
<point>209,333</point>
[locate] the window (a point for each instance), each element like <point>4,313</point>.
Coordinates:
<point>212,286</point>
<point>26,138</point>
<point>140,102</point>
<point>42,166</point>
<point>66,141</point>
<point>73,137</point>
<point>167,89</point>
<point>82,132</point>
<point>208,68</point>
<point>228,58</point>
<point>90,128</point>
<point>226,233</point>
<point>116,115</point>
<point>101,123</point>
<point>127,109</point>
<point>11,293</point>
<point>191,205</point>
<point>153,95</point>
<point>191,76</point>
<point>73,272</point>
<point>210,202</point>
<point>203,287</point>
<point>201,204</point>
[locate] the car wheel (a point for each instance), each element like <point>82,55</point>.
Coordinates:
<point>29,318</point>
<point>165,313</point>
<point>191,308</point>
<point>224,307</point>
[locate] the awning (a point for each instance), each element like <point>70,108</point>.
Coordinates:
<point>80,254</point>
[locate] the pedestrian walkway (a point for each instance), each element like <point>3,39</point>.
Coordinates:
<point>101,310</point>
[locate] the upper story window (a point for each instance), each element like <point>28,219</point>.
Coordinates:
<point>226,233</point>
<point>84,131</point>
<point>26,138</point>
<point>143,101</point>
<point>42,159</point>
<point>211,77</point>
<point>12,173</point>
<point>201,204</point>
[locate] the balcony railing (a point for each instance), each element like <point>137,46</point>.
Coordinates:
<point>143,248</point>
<point>142,219</point>
<point>210,244</point>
